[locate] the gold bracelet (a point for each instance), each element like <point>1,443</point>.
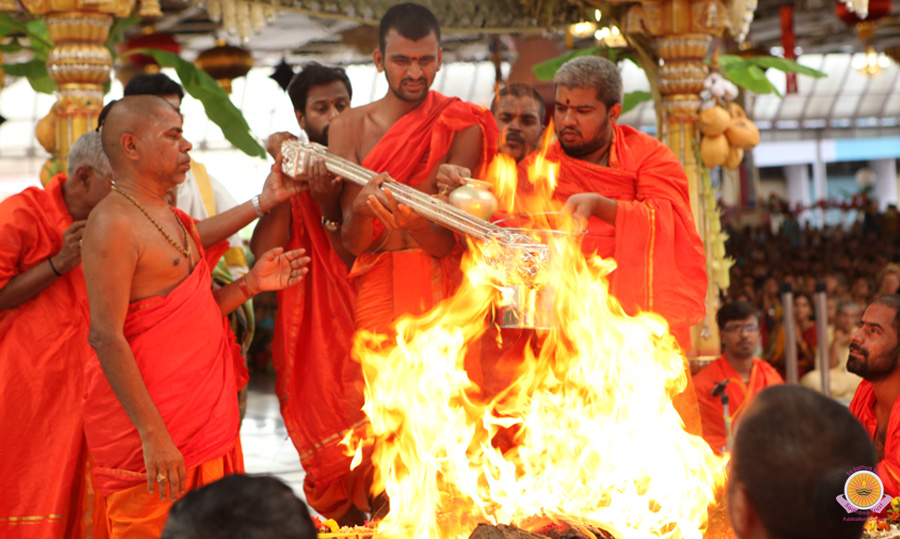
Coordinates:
<point>245,288</point>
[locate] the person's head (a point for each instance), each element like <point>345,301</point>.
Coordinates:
<point>792,453</point>
<point>409,50</point>
<point>588,101</point>
<point>519,110</point>
<point>143,139</point>
<point>156,84</point>
<point>831,306</point>
<point>875,346</point>
<point>847,317</point>
<point>240,507</point>
<point>89,175</point>
<point>319,93</point>
<point>803,308</point>
<point>889,280</point>
<point>739,329</point>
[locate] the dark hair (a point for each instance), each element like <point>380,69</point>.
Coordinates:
<point>314,74</point>
<point>520,89</point>
<point>792,452</point>
<point>153,84</point>
<point>891,301</point>
<point>411,21</point>
<point>104,113</point>
<point>735,310</point>
<point>240,507</point>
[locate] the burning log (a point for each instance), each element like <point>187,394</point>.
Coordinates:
<point>540,528</point>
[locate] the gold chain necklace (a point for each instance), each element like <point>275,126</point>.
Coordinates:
<point>186,250</point>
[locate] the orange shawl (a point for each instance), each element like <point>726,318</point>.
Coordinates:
<point>762,375</point>
<point>186,356</point>
<point>863,407</point>
<point>311,350</point>
<point>661,261</point>
<point>43,343</point>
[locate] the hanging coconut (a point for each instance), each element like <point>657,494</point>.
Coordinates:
<point>735,156</point>
<point>45,130</point>
<point>714,120</point>
<point>714,150</point>
<point>743,134</point>
<point>736,111</point>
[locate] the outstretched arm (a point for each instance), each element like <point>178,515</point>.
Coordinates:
<point>277,189</point>
<point>109,267</point>
<point>274,270</point>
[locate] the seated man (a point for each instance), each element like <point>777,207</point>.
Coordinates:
<point>240,507</point>
<point>842,383</point>
<point>43,343</point>
<point>793,453</point>
<point>160,399</point>
<point>874,355</point>
<point>735,374</point>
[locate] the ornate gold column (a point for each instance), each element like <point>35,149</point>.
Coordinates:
<point>681,32</point>
<point>79,62</point>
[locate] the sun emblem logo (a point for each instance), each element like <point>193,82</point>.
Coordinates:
<point>864,489</point>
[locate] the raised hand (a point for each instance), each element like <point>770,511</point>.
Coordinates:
<point>69,255</point>
<point>165,466</point>
<point>449,177</point>
<point>278,187</point>
<point>277,269</point>
<point>324,186</point>
<point>273,145</point>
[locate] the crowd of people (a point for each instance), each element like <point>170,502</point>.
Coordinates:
<point>123,373</point>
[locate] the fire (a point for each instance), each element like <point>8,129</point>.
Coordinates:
<point>585,429</point>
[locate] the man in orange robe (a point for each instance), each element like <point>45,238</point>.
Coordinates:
<point>736,373</point>
<point>160,401</point>
<point>404,263</point>
<point>875,355</point>
<point>314,325</point>
<point>47,487</point>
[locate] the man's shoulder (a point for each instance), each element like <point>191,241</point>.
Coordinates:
<point>645,148</point>
<point>112,215</point>
<point>766,368</point>
<point>710,375</point>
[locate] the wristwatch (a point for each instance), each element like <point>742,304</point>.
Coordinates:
<point>331,226</point>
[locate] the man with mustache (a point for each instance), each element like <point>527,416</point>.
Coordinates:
<point>519,110</point>
<point>874,355</point>
<point>314,324</point>
<point>736,372</point>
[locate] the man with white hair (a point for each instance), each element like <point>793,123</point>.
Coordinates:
<point>44,346</point>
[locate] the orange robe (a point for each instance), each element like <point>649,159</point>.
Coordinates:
<point>863,407</point>
<point>311,355</point>
<point>660,258</point>
<point>409,152</point>
<point>187,357</point>
<point>762,375</point>
<point>47,491</point>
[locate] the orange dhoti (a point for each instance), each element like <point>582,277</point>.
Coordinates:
<point>863,407</point>
<point>187,358</point>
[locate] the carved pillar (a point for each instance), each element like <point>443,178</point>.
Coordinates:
<point>79,62</point>
<point>682,31</point>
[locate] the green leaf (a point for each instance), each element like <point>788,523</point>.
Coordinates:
<point>36,73</point>
<point>788,66</point>
<point>633,99</point>
<point>216,103</point>
<point>546,70</point>
<point>8,25</point>
<point>117,31</point>
<point>13,46</point>
<point>39,36</point>
<point>751,77</point>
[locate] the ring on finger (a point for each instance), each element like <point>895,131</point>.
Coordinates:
<point>160,478</point>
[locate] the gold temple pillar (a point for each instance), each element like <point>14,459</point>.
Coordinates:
<point>681,32</point>
<point>79,62</point>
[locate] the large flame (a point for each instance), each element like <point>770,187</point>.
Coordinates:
<point>586,426</point>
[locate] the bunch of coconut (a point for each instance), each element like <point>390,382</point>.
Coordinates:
<point>726,130</point>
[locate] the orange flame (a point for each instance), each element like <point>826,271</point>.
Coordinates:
<point>589,412</point>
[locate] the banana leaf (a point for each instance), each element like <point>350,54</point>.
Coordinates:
<point>218,106</point>
<point>36,73</point>
<point>633,99</point>
<point>748,72</point>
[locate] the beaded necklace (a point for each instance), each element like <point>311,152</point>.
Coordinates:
<point>186,250</point>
